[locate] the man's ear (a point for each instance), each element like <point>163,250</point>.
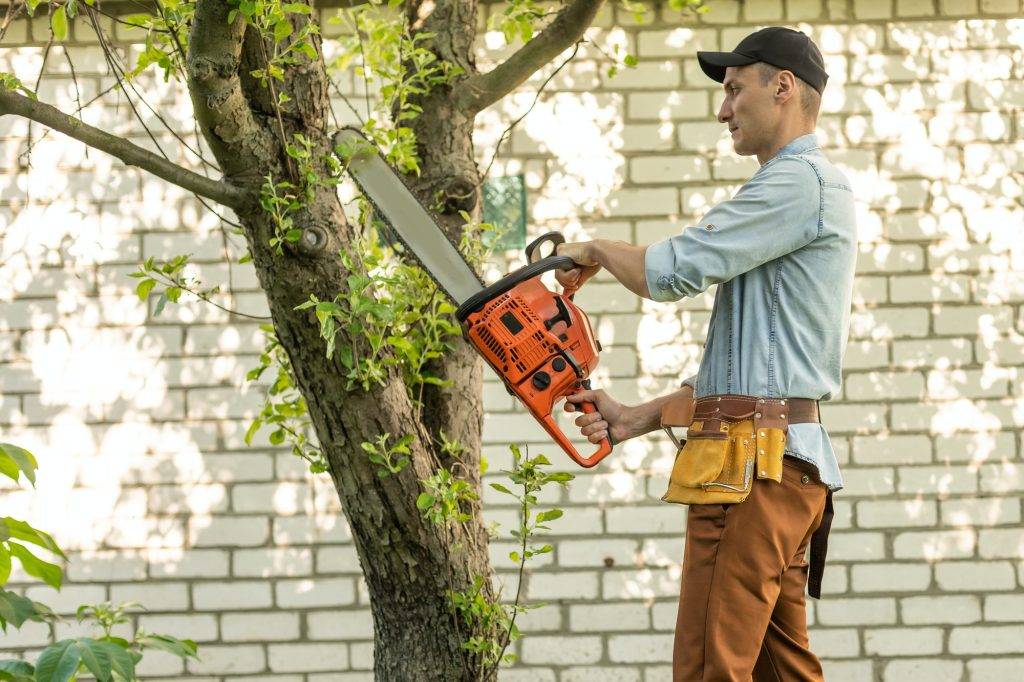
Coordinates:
<point>785,86</point>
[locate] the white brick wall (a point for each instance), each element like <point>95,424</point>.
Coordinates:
<point>139,428</point>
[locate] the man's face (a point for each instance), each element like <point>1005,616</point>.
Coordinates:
<point>749,109</point>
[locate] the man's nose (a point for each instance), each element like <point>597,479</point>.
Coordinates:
<point>724,113</point>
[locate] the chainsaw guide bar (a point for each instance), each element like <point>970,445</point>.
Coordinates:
<point>407,219</point>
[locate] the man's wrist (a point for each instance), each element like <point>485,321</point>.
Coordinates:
<point>596,251</point>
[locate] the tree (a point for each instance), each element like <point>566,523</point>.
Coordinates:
<point>365,348</point>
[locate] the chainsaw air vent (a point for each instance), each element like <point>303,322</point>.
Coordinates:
<point>492,343</point>
<point>530,352</point>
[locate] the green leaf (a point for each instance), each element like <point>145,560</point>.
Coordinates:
<point>5,564</point>
<point>59,23</point>
<point>549,515</point>
<point>282,30</point>
<point>96,656</point>
<point>16,671</point>
<point>502,489</point>
<point>15,609</point>
<point>144,287</point>
<point>184,648</point>
<point>22,460</point>
<point>160,303</point>
<point>424,501</point>
<point>49,573</point>
<point>22,531</point>
<point>251,431</point>
<point>121,660</point>
<point>58,662</point>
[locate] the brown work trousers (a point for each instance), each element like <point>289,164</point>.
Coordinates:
<point>741,606</point>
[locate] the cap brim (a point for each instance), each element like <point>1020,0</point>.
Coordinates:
<point>714,64</point>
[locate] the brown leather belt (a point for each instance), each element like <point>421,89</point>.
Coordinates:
<point>736,407</point>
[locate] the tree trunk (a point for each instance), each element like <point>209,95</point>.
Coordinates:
<point>409,563</point>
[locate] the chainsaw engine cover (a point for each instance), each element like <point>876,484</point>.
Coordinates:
<point>538,341</point>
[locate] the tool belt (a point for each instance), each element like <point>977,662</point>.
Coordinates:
<point>730,439</point>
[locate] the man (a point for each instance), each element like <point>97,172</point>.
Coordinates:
<point>782,251</point>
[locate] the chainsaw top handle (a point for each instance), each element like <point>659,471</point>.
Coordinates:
<point>533,253</point>
<point>477,300</point>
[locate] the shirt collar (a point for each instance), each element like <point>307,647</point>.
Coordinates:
<point>799,145</point>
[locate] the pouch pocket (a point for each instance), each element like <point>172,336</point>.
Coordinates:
<point>703,456</point>
<point>716,465</point>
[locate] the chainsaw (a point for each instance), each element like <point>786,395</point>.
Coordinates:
<point>538,341</point>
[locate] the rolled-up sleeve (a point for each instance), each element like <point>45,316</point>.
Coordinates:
<point>774,213</point>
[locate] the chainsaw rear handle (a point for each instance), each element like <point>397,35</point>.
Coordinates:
<point>604,447</point>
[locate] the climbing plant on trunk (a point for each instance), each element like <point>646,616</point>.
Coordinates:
<point>371,381</point>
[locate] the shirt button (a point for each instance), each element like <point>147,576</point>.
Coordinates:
<point>709,227</point>
<point>663,281</point>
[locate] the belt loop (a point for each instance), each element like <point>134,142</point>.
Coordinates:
<point>819,548</point>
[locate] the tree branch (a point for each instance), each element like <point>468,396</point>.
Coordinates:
<point>243,146</point>
<point>481,91</point>
<point>132,155</point>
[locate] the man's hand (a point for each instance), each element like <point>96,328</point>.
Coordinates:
<point>611,416</point>
<point>586,265</point>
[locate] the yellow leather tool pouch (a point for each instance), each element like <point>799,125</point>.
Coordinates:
<point>715,465</point>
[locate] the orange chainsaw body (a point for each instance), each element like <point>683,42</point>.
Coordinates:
<point>543,348</point>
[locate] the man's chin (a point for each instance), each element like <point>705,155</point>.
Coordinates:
<point>741,149</point>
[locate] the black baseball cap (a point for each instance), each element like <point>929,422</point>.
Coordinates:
<point>776,45</point>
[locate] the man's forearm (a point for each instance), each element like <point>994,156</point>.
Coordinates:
<point>625,262</point>
<point>646,417</point>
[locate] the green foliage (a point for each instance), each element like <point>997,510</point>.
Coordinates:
<point>108,658</point>
<point>393,313</point>
<point>166,38</point>
<point>284,46</point>
<point>518,20</point>
<point>445,498</point>
<point>18,671</point>
<point>15,461</point>
<point>284,408</point>
<point>9,81</point>
<point>283,199</point>
<point>381,46</point>
<point>529,474</point>
<point>173,277</point>
<point>391,458</point>
<point>15,609</point>
<point>638,9</point>
<point>281,202</point>
<point>490,624</point>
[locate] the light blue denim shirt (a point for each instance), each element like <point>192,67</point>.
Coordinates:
<point>783,252</point>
